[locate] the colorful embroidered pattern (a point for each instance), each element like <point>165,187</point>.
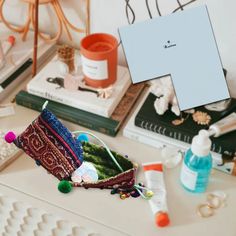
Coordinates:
<point>51,144</point>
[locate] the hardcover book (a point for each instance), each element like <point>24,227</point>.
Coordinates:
<point>148,119</point>
<point>20,53</point>
<point>157,140</point>
<point>54,90</point>
<point>18,62</point>
<point>109,126</point>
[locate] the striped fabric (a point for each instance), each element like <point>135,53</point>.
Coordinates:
<point>52,145</point>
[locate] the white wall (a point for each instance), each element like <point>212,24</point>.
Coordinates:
<point>15,11</point>
<point>108,15</point>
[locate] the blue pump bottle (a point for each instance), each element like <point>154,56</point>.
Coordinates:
<point>197,164</point>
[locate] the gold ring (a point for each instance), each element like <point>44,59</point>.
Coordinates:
<point>214,201</point>
<point>205,211</point>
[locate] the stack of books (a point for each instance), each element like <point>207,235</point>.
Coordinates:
<point>81,106</point>
<point>19,59</point>
<point>146,126</point>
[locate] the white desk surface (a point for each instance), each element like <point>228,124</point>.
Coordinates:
<point>31,183</point>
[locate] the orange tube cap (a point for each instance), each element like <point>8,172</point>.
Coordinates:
<point>162,219</point>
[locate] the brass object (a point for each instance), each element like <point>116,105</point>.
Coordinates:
<point>205,211</point>
<point>214,201</point>
<point>63,22</point>
<point>201,118</point>
<point>178,121</point>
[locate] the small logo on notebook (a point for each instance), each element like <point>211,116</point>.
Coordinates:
<point>169,44</point>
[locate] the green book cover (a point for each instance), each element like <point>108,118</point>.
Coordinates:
<point>109,126</point>
<point>147,118</point>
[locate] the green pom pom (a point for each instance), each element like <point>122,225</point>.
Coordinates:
<point>64,186</point>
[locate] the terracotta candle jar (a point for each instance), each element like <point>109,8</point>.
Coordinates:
<point>99,59</point>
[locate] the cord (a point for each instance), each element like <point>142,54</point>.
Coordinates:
<point>137,187</point>
<point>128,9</point>
<point>180,5</point>
<point>93,135</point>
<point>61,18</point>
<point>158,8</point>
<point>105,146</point>
<point>148,8</point>
<point>184,5</point>
<point>45,105</point>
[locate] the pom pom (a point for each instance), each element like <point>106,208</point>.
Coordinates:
<point>149,194</point>
<point>37,162</point>
<point>114,191</point>
<point>162,219</point>
<point>11,39</point>
<point>64,186</point>
<point>10,137</point>
<point>135,194</point>
<point>83,137</point>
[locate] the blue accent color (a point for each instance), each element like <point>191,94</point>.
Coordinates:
<point>58,127</point>
<point>83,137</point>
<point>191,56</point>
<point>37,162</point>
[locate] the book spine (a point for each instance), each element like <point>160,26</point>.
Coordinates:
<point>163,130</point>
<point>228,168</point>
<point>67,101</point>
<point>17,77</point>
<point>34,104</point>
<point>16,74</point>
<point>176,134</point>
<point>143,139</point>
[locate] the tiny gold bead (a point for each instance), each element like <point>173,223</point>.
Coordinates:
<point>149,193</point>
<point>123,196</point>
<point>135,165</point>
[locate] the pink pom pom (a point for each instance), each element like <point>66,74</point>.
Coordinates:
<point>10,137</point>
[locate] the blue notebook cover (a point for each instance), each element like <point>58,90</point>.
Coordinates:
<point>181,45</point>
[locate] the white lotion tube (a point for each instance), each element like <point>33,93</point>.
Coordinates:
<point>223,126</point>
<point>155,182</point>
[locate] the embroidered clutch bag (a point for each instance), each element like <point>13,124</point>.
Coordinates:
<point>51,145</point>
<point>55,148</point>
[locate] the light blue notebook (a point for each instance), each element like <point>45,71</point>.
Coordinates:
<point>182,45</point>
